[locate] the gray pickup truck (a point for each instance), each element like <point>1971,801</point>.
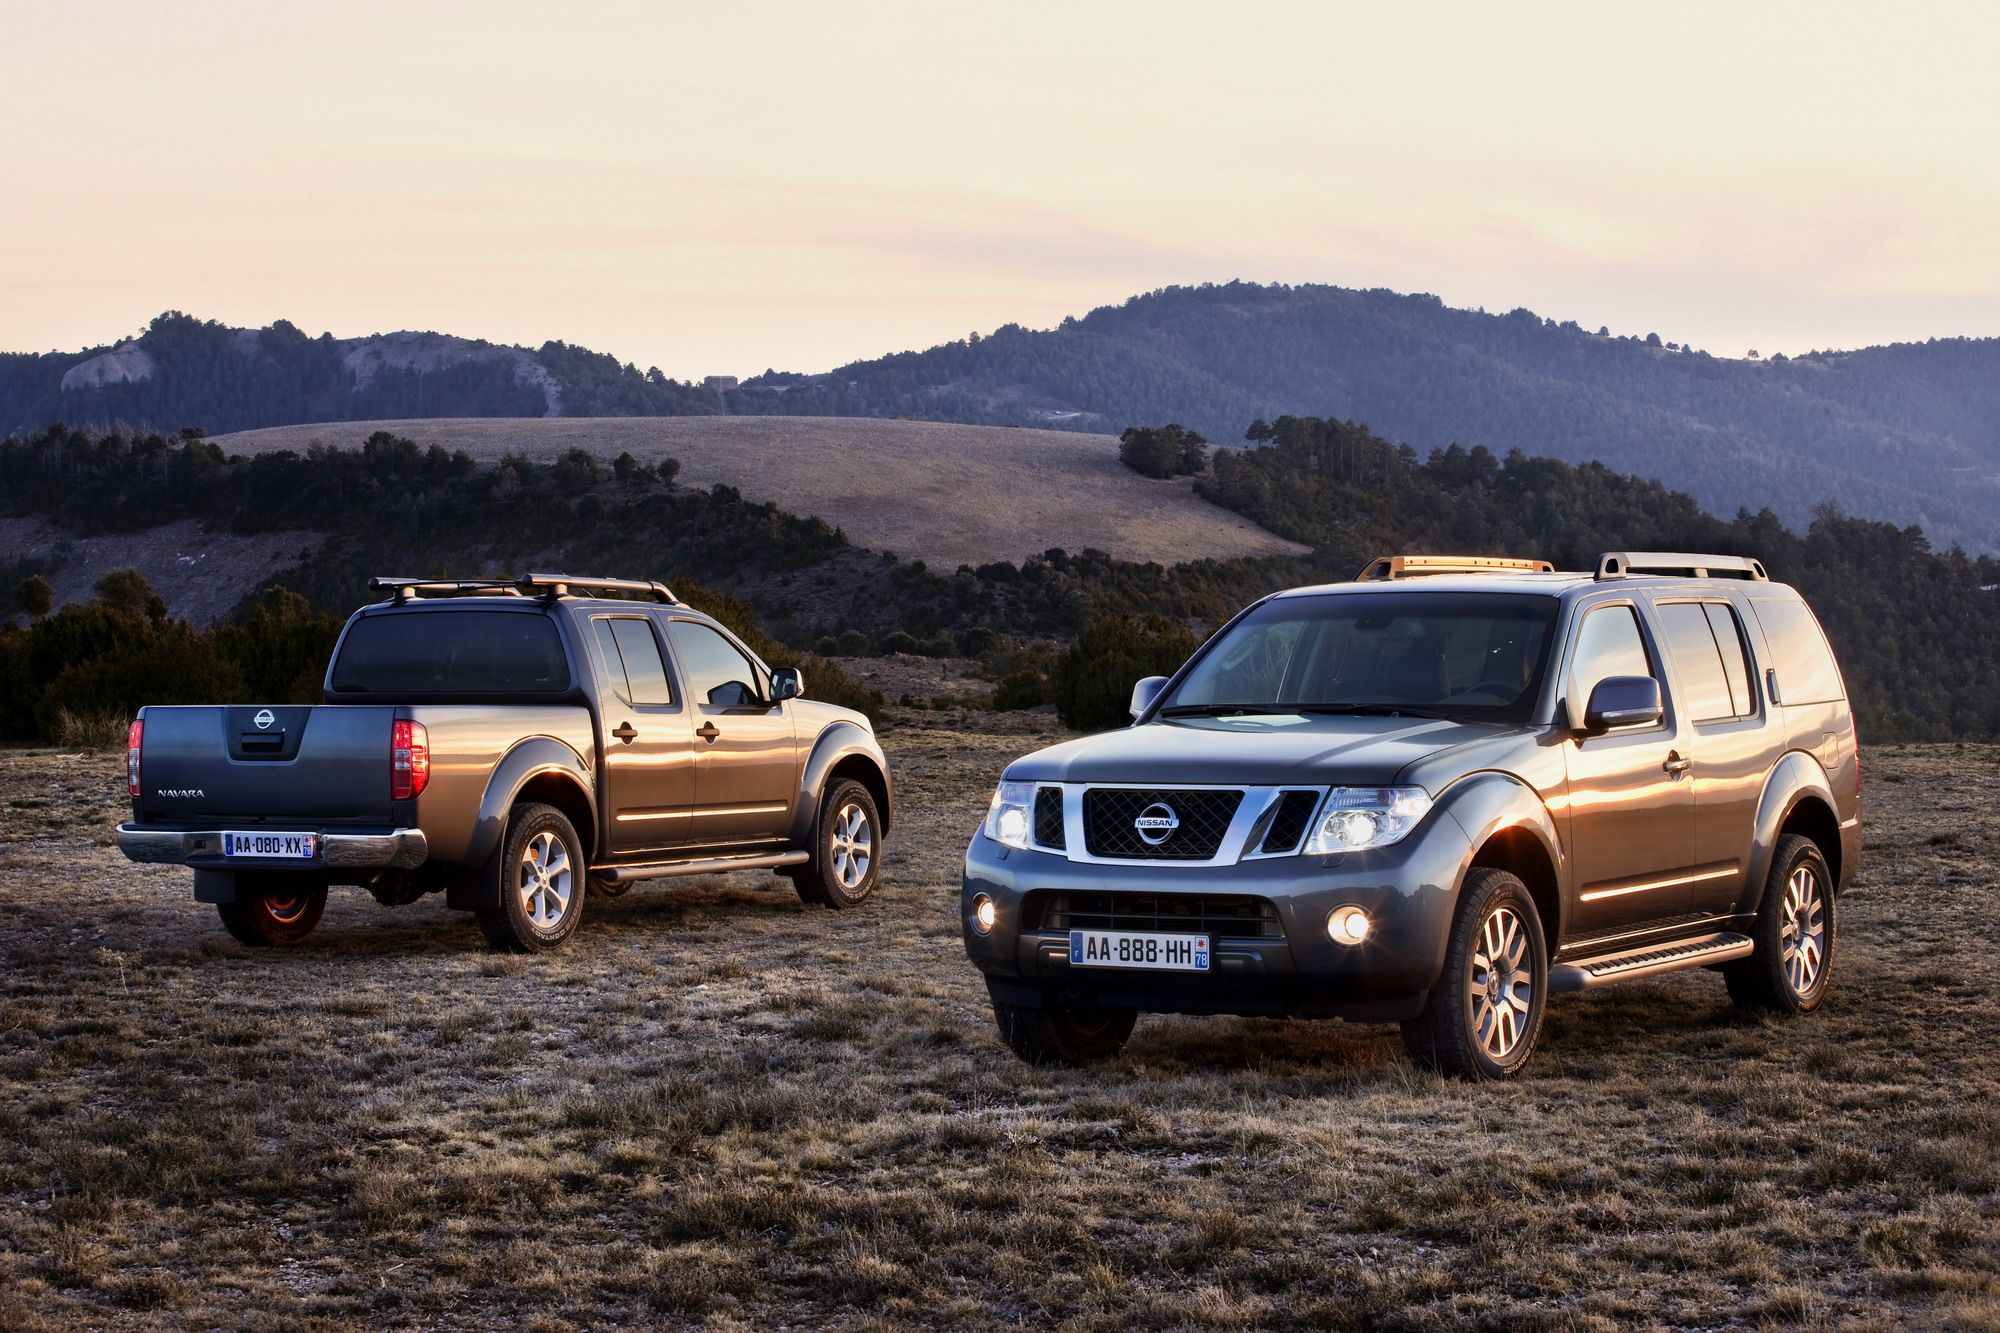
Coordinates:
<point>508,743</point>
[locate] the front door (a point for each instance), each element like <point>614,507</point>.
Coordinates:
<point>746,758</point>
<point>1632,831</point>
<point>649,759</point>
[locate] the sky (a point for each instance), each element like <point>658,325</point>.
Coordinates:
<point>723,188</point>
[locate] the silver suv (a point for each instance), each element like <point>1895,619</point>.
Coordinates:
<point>1436,795</point>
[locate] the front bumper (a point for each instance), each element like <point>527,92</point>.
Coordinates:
<point>1409,891</point>
<point>397,849</point>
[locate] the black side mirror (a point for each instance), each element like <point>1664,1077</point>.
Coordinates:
<point>1143,694</point>
<point>1623,701</point>
<point>786,683</point>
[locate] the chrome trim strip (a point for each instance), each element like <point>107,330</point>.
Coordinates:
<point>1257,802</point>
<point>1676,881</point>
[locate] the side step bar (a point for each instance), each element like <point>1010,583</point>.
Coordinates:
<point>714,865</point>
<point>1650,961</point>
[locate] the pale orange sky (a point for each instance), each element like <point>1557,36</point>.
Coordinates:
<point>721,188</point>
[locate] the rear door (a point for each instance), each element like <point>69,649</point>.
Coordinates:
<point>649,762</point>
<point>1733,742</point>
<point>746,780</point>
<point>1632,829</point>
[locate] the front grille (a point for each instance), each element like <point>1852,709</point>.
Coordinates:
<point>1289,821</point>
<point>1238,916</point>
<point>1201,818</point>
<point>1049,817</point>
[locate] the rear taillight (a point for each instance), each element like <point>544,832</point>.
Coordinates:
<point>409,760</point>
<point>133,736</point>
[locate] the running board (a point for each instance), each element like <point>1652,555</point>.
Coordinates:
<point>1650,961</point>
<point>715,865</point>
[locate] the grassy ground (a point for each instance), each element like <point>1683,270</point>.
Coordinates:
<point>721,1107</point>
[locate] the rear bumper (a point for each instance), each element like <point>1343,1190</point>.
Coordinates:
<point>399,849</point>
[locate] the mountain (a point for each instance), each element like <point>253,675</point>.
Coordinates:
<point>1908,433</point>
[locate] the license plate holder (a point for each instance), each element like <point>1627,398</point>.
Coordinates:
<point>270,845</point>
<point>1134,950</point>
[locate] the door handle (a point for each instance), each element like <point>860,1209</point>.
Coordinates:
<point>626,732</point>
<point>1675,765</point>
<point>709,732</point>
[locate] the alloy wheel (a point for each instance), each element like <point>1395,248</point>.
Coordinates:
<point>1802,936</point>
<point>853,845</point>
<point>545,880</point>
<point>1500,983</point>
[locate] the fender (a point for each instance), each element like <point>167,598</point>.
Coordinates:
<point>1490,803</point>
<point>529,759</point>
<point>1794,777</point>
<point>840,740</point>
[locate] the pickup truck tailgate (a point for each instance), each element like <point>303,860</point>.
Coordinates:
<point>258,764</point>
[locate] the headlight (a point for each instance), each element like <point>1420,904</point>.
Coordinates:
<point>1009,818</point>
<point>1354,818</point>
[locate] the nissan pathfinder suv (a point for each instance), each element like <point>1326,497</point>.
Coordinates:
<point>1436,795</point>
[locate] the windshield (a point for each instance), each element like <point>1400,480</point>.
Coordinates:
<point>452,652</point>
<point>1467,656</point>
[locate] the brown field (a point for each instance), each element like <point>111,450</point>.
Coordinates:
<point>930,491</point>
<point>720,1107</point>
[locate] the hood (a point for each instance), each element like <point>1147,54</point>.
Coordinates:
<point>1257,751</point>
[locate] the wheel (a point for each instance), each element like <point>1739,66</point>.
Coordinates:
<point>541,871</point>
<point>1793,965</point>
<point>1483,1017</point>
<point>1063,1035</point>
<point>847,849</point>
<point>273,916</point>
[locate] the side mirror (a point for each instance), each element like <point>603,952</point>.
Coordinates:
<point>1145,692</point>
<point>1623,701</point>
<point>786,683</point>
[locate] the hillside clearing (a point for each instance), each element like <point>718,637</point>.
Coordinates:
<point>721,1107</point>
<point>944,494</point>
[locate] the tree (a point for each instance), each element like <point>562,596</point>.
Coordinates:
<point>1163,451</point>
<point>128,592</point>
<point>1092,682</point>
<point>34,596</point>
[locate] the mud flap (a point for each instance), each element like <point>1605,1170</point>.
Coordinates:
<point>215,886</point>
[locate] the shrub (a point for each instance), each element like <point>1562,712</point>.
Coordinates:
<point>1163,451</point>
<point>896,641</point>
<point>1092,682</point>
<point>97,729</point>
<point>1026,688</point>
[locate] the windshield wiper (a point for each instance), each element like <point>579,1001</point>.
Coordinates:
<point>1373,710</point>
<point>1220,710</point>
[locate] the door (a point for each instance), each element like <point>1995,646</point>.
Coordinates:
<point>1632,827</point>
<point>746,760</point>
<point>1733,744</point>
<point>649,759</point>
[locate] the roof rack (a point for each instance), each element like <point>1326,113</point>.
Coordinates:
<point>1418,566</point>
<point>538,585</point>
<point>1618,564</point>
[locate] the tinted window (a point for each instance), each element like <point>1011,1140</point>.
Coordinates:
<point>716,672</point>
<point>1806,673</point>
<point>1473,655</point>
<point>633,657</point>
<point>1735,663</point>
<point>1609,644</point>
<point>452,652</point>
<point>1705,692</point>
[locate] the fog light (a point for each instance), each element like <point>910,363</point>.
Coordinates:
<point>1347,925</point>
<point>984,913</point>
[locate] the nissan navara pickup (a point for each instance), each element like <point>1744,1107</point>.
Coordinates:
<point>510,743</point>
<point>1436,795</point>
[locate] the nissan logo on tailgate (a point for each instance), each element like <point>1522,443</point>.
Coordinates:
<point>1156,823</point>
<point>264,719</point>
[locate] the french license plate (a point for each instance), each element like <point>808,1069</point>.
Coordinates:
<point>1127,948</point>
<point>271,846</point>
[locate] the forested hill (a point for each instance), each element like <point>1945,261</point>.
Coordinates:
<point>1909,432</point>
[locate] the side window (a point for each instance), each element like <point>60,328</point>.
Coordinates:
<point>1799,654</point>
<point>1705,686</point>
<point>1735,662</point>
<point>716,672</point>
<point>632,655</point>
<point>1609,644</point>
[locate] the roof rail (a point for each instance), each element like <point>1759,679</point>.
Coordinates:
<point>561,585</point>
<point>403,590</point>
<point>1618,564</point>
<point>1417,566</point>
<point>539,585</point>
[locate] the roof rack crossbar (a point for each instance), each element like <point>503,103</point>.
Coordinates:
<point>403,590</point>
<point>1619,564</point>
<point>1384,567</point>
<point>560,585</point>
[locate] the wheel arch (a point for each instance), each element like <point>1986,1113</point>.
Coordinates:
<point>539,769</point>
<point>1509,827</point>
<point>1798,798</point>
<point>843,750</point>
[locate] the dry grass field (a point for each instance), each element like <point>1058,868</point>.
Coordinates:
<point>721,1108</point>
<point>931,491</point>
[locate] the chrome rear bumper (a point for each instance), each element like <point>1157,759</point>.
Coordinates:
<point>404,849</point>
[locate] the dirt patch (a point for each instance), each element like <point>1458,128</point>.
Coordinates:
<point>721,1107</point>
<point>944,494</point>
<point>202,575</point>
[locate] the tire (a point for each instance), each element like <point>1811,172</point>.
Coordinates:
<point>274,916</point>
<point>1799,905</point>
<point>846,849</point>
<point>1064,1035</point>
<point>538,874</point>
<point>1481,1022</point>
